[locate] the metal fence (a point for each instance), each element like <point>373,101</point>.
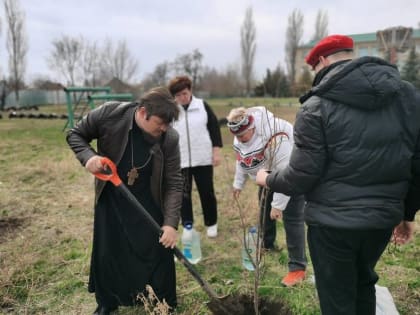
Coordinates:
<point>35,97</point>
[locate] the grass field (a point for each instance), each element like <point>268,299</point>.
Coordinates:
<point>46,201</point>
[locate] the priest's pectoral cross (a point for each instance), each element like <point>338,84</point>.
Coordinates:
<point>132,175</point>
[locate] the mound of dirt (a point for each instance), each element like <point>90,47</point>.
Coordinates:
<point>9,226</point>
<point>244,305</point>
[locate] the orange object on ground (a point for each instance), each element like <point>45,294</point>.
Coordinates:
<point>293,277</point>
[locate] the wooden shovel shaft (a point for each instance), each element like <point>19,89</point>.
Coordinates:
<point>206,287</point>
<point>113,177</point>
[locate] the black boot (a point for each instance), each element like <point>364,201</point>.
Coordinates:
<point>104,310</point>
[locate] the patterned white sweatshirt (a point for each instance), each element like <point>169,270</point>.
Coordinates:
<point>270,147</point>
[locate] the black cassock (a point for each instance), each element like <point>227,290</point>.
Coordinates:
<point>126,253</point>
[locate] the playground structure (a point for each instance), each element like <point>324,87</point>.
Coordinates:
<point>80,99</point>
<point>109,97</point>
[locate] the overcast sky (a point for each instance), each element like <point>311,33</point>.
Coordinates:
<point>159,30</point>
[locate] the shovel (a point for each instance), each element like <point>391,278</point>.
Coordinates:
<point>218,305</point>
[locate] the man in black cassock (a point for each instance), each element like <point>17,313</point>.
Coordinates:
<point>127,253</point>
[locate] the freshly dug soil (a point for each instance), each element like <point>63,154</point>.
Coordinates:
<point>9,226</point>
<point>244,305</point>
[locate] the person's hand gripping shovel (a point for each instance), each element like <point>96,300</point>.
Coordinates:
<point>218,305</point>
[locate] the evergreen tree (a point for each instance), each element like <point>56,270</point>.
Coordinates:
<point>304,82</point>
<point>275,84</point>
<point>411,69</point>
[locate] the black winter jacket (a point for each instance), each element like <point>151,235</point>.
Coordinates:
<point>356,147</point>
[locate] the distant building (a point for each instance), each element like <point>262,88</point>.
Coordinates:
<point>118,86</point>
<point>49,86</point>
<point>392,44</point>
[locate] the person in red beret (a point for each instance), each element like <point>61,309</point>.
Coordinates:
<point>356,159</point>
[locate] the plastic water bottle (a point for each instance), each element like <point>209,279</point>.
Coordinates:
<point>191,243</point>
<point>250,246</point>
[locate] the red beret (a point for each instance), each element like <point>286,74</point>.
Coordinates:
<point>327,46</point>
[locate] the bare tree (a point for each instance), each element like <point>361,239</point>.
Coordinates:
<point>222,83</point>
<point>17,44</point>
<point>65,57</point>
<point>0,25</point>
<point>81,61</point>
<point>294,34</point>
<point>248,48</point>
<point>90,64</point>
<point>159,76</point>
<point>272,130</point>
<point>196,65</point>
<point>117,62</point>
<point>3,86</point>
<point>321,25</point>
<point>105,61</point>
<point>189,64</point>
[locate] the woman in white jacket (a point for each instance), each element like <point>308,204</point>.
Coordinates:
<point>262,140</point>
<point>200,141</point>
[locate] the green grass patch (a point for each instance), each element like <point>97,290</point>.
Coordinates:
<point>44,261</point>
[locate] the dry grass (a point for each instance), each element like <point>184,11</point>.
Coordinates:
<point>152,304</point>
<point>46,200</point>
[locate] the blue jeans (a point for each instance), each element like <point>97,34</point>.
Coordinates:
<point>294,227</point>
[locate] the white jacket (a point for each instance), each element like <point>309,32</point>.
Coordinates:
<point>194,138</point>
<point>270,147</point>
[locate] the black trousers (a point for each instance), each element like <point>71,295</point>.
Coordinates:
<point>344,263</point>
<point>203,177</point>
<point>265,198</point>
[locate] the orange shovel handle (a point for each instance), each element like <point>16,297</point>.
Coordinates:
<point>113,176</point>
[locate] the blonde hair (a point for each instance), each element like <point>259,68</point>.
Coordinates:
<point>236,115</point>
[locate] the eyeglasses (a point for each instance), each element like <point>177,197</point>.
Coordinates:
<point>236,125</point>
